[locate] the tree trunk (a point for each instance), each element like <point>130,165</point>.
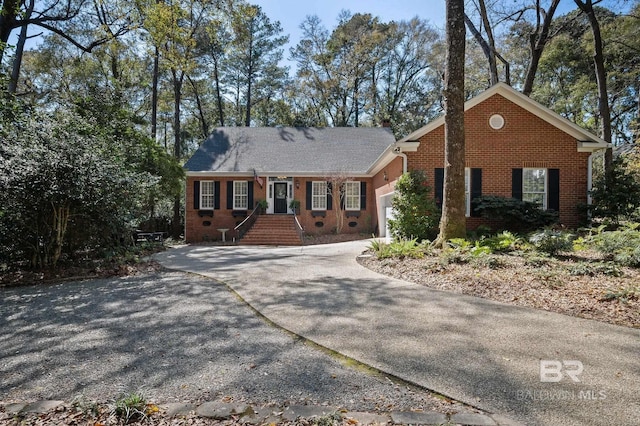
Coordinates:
<point>17,60</point>
<point>218,92</point>
<point>537,43</point>
<point>204,124</point>
<point>601,78</point>
<point>178,78</point>
<point>453,219</point>
<point>8,16</point>
<point>154,94</point>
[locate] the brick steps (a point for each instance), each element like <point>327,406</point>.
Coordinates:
<point>272,230</point>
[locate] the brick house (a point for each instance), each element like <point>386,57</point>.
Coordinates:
<point>515,147</point>
<point>238,166</point>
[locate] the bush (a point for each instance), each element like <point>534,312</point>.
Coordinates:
<point>597,268</point>
<point>622,246</point>
<point>416,213</point>
<point>68,186</point>
<point>503,242</point>
<point>399,249</point>
<point>130,408</point>
<point>516,215</point>
<point>616,196</point>
<point>551,241</point>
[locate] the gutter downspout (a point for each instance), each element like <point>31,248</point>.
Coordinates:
<point>404,161</point>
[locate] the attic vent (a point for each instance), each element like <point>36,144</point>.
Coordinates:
<point>496,121</point>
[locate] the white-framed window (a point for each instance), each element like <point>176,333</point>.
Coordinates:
<point>240,195</point>
<point>207,195</point>
<point>319,195</point>
<point>467,190</point>
<point>352,195</point>
<point>534,186</point>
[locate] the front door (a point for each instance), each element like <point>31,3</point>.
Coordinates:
<point>280,199</point>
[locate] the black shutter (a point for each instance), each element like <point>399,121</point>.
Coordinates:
<point>216,195</point>
<point>309,194</point>
<point>439,186</point>
<point>342,193</point>
<point>250,195</point>
<point>363,195</point>
<point>329,196</point>
<point>196,195</point>
<point>553,186</point>
<point>476,189</point>
<point>230,195</point>
<point>516,184</point>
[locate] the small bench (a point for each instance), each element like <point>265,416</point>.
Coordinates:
<point>150,237</point>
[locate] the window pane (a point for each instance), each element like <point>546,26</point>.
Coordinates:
<point>206,194</point>
<point>319,196</point>
<point>534,186</point>
<point>240,195</point>
<point>352,196</point>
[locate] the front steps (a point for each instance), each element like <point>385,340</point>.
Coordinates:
<point>273,230</point>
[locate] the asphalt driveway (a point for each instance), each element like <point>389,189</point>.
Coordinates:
<point>474,350</point>
<point>175,337</point>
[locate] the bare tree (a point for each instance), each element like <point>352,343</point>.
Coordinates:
<point>601,76</point>
<point>538,40</point>
<point>453,220</point>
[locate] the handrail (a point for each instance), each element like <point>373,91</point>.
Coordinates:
<point>246,224</point>
<point>299,227</point>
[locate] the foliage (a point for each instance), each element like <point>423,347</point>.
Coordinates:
<point>399,249</point>
<point>130,408</point>
<point>68,184</point>
<point>596,268</point>
<point>624,294</point>
<point>621,246</point>
<point>616,195</point>
<point>551,241</point>
<point>416,214</point>
<point>516,215</point>
<point>503,242</point>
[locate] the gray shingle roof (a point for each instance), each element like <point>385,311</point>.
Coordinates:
<point>291,149</point>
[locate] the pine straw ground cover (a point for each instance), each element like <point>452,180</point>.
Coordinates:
<point>581,284</point>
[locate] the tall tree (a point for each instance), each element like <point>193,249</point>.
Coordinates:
<point>256,50</point>
<point>84,23</point>
<point>601,76</point>
<point>538,39</point>
<point>453,220</point>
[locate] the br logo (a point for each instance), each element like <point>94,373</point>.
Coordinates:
<point>552,370</point>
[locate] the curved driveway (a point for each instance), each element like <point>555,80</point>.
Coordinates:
<point>474,350</point>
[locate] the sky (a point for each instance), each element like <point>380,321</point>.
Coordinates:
<point>291,13</point>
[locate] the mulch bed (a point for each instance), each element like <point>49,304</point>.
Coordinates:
<point>550,284</point>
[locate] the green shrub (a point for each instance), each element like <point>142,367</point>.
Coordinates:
<point>595,268</point>
<point>631,292</point>
<point>622,245</point>
<point>415,211</point>
<point>503,242</point>
<point>130,407</point>
<point>399,249</point>
<point>616,195</point>
<point>551,241</point>
<point>516,215</point>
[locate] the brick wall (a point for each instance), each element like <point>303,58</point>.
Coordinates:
<point>524,141</point>
<point>199,226</point>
